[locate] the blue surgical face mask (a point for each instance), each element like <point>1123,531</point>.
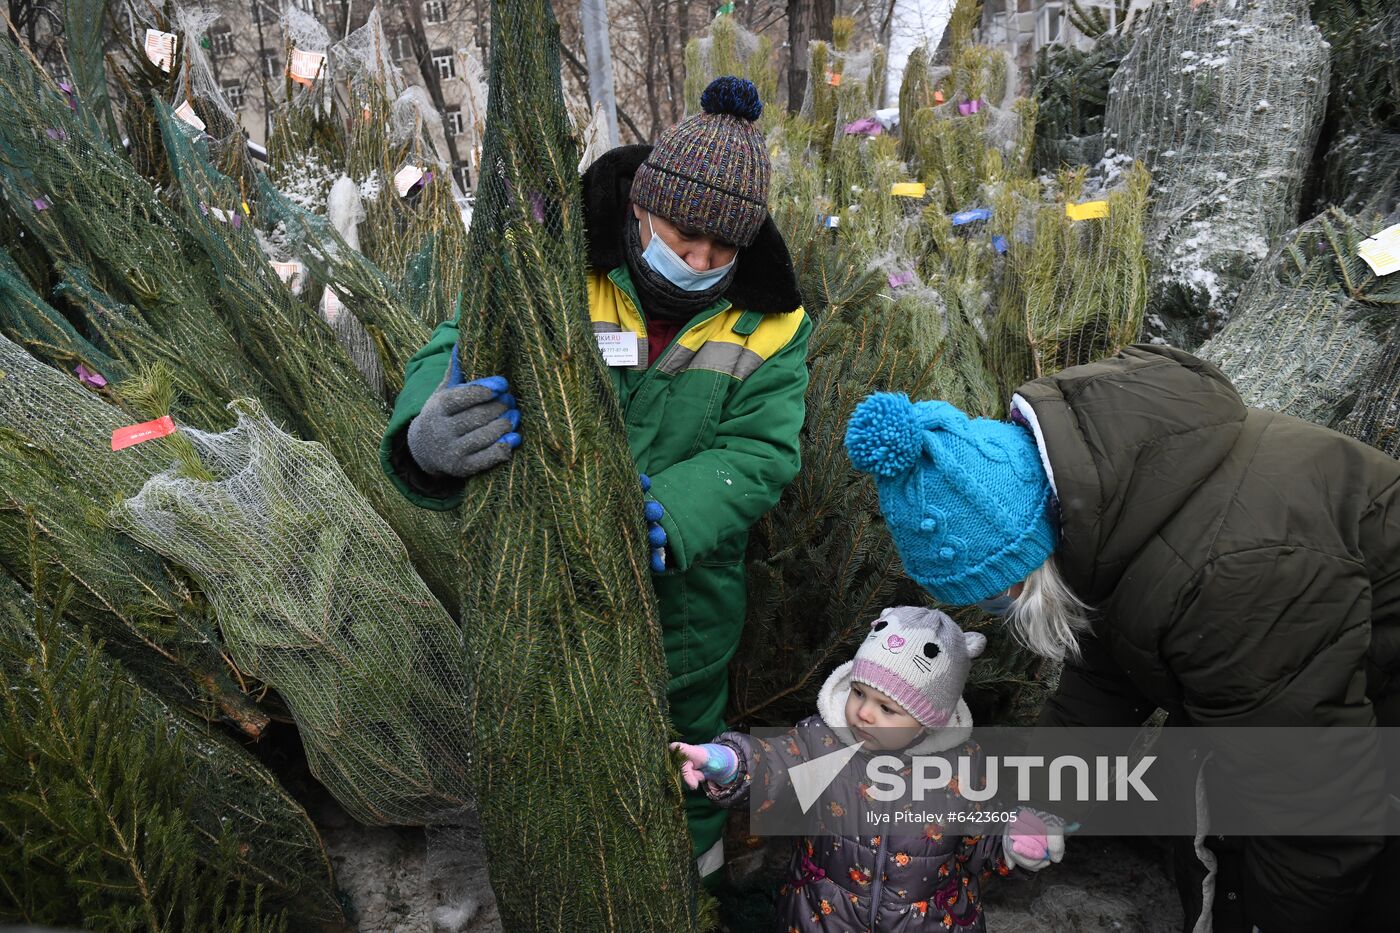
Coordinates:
<point>998,605</point>
<point>675,270</point>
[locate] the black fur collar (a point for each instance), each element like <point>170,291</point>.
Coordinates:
<point>764,280</point>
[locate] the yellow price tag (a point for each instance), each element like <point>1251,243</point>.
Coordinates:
<point>907,189</point>
<point>1089,210</point>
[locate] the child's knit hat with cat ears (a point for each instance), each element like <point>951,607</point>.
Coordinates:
<point>920,659</point>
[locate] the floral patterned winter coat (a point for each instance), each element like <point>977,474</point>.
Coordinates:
<point>878,883</point>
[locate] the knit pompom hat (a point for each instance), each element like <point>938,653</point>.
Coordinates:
<point>710,172</point>
<point>966,499</point>
<point>919,658</point>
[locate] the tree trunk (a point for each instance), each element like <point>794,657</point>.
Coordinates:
<point>598,53</point>
<point>413,17</point>
<point>807,20</point>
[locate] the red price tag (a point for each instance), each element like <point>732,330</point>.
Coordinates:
<point>136,433</point>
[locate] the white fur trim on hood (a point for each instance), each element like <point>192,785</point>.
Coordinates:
<point>1027,412</point>
<point>831,704</point>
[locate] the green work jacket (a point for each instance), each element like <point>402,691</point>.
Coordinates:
<point>714,423</point>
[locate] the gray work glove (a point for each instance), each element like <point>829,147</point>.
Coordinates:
<point>465,428</point>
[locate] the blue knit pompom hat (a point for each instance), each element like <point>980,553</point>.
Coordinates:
<point>965,498</point>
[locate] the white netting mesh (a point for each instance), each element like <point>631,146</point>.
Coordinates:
<point>1304,337</point>
<point>345,209</point>
<point>198,73</point>
<point>410,118</point>
<point>365,59</point>
<point>304,30</point>
<point>316,596</point>
<point>594,138</point>
<point>472,73</point>
<point>1222,101</point>
<point>309,64</point>
<point>355,338</point>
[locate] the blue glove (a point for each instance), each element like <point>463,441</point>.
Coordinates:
<point>708,762</point>
<point>656,535</point>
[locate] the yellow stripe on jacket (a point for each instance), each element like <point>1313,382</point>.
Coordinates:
<point>730,342</point>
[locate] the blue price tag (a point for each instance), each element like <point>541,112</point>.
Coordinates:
<point>967,217</point>
<point>999,244</point>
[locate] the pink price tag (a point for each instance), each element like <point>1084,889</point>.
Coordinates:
<point>89,378</point>
<point>130,435</point>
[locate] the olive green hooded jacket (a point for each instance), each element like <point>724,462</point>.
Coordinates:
<point>1244,570</point>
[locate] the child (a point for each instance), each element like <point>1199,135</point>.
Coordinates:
<point>901,693</point>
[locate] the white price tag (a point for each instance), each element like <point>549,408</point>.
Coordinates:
<point>186,112</point>
<point>160,48</point>
<point>405,178</point>
<point>305,67</point>
<point>1382,251</point>
<point>289,272</point>
<point>330,305</point>
<point>619,349</point>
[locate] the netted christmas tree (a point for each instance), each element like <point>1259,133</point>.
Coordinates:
<point>1360,170</point>
<point>1311,329</point>
<point>931,262</point>
<point>1222,101</point>
<point>727,48</point>
<point>1070,88</point>
<point>54,446</point>
<point>317,598</point>
<point>560,619</point>
<point>191,288</point>
<point>119,812</point>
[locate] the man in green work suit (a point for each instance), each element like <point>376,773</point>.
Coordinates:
<point>692,292</point>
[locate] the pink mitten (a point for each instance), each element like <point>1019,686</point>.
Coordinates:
<point>708,762</point>
<point>1034,840</point>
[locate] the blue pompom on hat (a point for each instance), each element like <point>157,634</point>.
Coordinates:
<point>965,498</point>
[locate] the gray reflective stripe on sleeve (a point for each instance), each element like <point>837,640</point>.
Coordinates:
<point>728,358</point>
<point>711,860</point>
<point>607,327</point>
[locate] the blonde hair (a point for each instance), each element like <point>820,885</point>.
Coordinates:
<point>1047,617</point>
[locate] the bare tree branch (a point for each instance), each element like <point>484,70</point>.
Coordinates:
<point>581,72</point>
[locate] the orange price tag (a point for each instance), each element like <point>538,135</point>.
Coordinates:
<point>145,431</point>
<point>833,78</point>
<point>938,98</point>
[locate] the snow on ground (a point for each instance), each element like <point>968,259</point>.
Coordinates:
<point>396,880</point>
<point>1104,885</point>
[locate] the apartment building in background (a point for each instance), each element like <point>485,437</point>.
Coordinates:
<point>248,53</point>
<point>1023,27</point>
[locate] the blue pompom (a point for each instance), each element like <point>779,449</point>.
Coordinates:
<point>733,95</point>
<point>885,435</point>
